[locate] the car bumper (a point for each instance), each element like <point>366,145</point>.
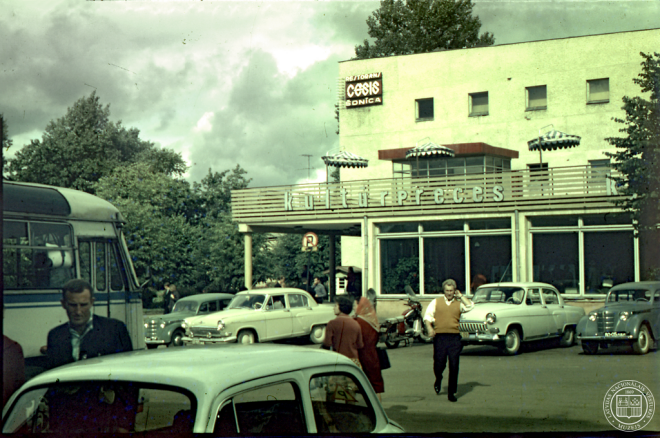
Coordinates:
<point>609,338</point>
<point>150,341</point>
<point>199,340</point>
<point>477,338</point>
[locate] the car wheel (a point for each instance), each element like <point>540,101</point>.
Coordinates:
<point>152,346</point>
<point>392,336</point>
<point>590,347</point>
<point>643,342</point>
<point>568,337</point>
<point>317,334</point>
<point>246,337</point>
<point>511,342</point>
<point>177,339</point>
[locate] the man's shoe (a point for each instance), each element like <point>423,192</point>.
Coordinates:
<point>452,398</point>
<point>437,389</point>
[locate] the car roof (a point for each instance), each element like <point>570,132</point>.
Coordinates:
<point>517,284</point>
<point>637,284</point>
<point>206,297</point>
<point>272,290</point>
<point>199,369</point>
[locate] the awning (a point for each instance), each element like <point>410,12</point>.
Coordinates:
<point>554,139</point>
<point>429,149</point>
<point>345,159</point>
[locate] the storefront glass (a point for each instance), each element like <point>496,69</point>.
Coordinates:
<point>490,257</point>
<point>399,265</point>
<point>608,260</point>
<point>444,257</point>
<point>555,258</point>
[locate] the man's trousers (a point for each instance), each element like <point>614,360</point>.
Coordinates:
<point>447,346</point>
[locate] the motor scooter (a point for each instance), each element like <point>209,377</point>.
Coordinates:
<point>407,327</point>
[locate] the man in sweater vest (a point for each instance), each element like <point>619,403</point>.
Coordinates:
<point>441,319</point>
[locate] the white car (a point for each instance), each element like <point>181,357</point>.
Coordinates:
<point>505,314</point>
<point>262,315</point>
<point>225,390</point>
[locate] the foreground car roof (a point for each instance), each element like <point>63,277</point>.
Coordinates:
<point>206,297</point>
<point>194,367</point>
<point>518,284</point>
<point>637,285</point>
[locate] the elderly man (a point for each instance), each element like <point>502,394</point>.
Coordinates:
<point>441,318</point>
<point>85,335</point>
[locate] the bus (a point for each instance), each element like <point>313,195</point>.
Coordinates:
<point>52,235</point>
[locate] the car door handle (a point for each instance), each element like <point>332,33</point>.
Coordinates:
<point>286,310</point>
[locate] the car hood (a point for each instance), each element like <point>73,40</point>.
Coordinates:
<point>227,314</point>
<point>625,307</point>
<point>482,309</point>
<point>170,317</point>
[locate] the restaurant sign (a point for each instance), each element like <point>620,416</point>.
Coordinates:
<point>364,90</point>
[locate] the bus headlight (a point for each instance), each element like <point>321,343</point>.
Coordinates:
<point>491,318</point>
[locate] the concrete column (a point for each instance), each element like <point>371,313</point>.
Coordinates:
<point>331,268</point>
<point>248,260</point>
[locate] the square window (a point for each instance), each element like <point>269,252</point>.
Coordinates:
<point>598,91</point>
<point>424,109</point>
<point>537,98</point>
<point>478,104</point>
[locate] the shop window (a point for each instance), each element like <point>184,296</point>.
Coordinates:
<point>606,219</point>
<point>555,258</point>
<point>399,265</point>
<point>424,109</point>
<point>490,257</point>
<point>491,224</point>
<point>443,226</point>
<point>608,260</point>
<point>398,227</point>
<point>478,104</point>
<point>553,221</point>
<point>444,258</point>
<point>598,91</point>
<point>537,98</point>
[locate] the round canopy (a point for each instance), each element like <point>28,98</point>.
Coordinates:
<point>345,159</point>
<point>428,149</point>
<point>552,140</point>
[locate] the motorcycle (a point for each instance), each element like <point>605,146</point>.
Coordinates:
<point>407,327</point>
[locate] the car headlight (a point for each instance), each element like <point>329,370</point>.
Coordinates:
<point>184,325</point>
<point>162,325</point>
<point>624,315</point>
<point>221,325</point>
<point>592,316</point>
<point>146,325</point>
<point>491,318</point>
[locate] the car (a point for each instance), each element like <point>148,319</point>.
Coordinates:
<point>262,315</point>
<point>630,316</point>
<point>506,314</point>
<point>166,329</point>
<point>226,390</point>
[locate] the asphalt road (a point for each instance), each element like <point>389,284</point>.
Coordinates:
<point>545,388</point>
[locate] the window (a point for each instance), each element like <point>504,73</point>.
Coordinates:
<point>598,91</point>
<point>537,98</point>
<point>444,258</point>
<point>550,297</point>
<point>297,300</point>
<point>555,257</point>
<point>608,260</point>
<point>533,297</point>
<point>399,260</point>
<point>479,104</point>
<point>340,405</point>
<point>424,109</point>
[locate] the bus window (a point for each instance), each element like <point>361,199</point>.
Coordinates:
<point>117,272</point>
<point>100,266</point>
<point>86,261</point>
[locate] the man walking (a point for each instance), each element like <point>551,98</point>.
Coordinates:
<point>319,290</point>
<point>441,318</point>
<point>85,335</point>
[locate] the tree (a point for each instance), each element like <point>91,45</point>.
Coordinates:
<point>402,27</point>
<point>638,161</point>
<point>83,146</point>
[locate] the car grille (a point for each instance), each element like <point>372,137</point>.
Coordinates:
<point>151,330</point>
<point>204,332</point>
<point>606,321</point>
<point>472,327</point>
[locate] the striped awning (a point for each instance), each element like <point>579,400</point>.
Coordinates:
<point>345,159</point>
<point>552,140</point>
<point>428,149</point>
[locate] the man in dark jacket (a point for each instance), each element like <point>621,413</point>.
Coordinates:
<point>85,335</point>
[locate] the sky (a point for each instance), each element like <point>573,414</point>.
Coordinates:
<point>251,83</point>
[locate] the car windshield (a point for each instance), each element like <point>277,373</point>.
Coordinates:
<point>185,306</point>
<point>247,301</point>
<point>102,407</point>
<point>510,295</point>
<point>624,295</point>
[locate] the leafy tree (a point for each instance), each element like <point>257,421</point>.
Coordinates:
<point>402,27</point>
<point>215,190</point>
<point>638,161</point>
<point>78,149</point>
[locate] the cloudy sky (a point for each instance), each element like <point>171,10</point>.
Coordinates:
<point>226,83</point>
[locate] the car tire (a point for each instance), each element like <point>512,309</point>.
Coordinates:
<point>567,338</point>
<point>392,334</point>
<point>317,335</point>
<point>177,339</point>
<point>511,344</point>
<point>590,347</point>
<point>152,346</point>
<point>643,342</point>
<point>246,337</point>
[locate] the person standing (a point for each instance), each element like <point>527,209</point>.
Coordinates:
<point>441,319</point>
<point>173,298</point>
<point>166,297</point>
<point>85,335</point>
<point>13,368</point>
<point>319,290</point>
<point>343,333</point>
<point>368,320</point>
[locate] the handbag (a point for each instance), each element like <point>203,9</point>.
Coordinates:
<point>383,358</point>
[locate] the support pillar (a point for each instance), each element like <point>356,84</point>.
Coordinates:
<point>331,268</point>
<point>248,260</point>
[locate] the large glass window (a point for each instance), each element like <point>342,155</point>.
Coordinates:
<point>608,260</point>
<point>399,265</point>
<point>555,258</point>
<point>444,258</point>
<point>490,257</point>
<point>435,167</point>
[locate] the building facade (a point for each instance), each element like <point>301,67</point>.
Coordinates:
<point>494,210</point>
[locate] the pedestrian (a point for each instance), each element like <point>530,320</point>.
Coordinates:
<point>351,286</point>
<point>319,290</point>
<point>441,318</point>
<point>13,368</point>
<point>166,297</point>
<point>85,335</point>
<point>304,277</point>
<point>343,333</point>
<point>368,320</point>
<point>173,296</point>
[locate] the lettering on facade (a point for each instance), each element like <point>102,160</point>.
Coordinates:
<point>364,90</point>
